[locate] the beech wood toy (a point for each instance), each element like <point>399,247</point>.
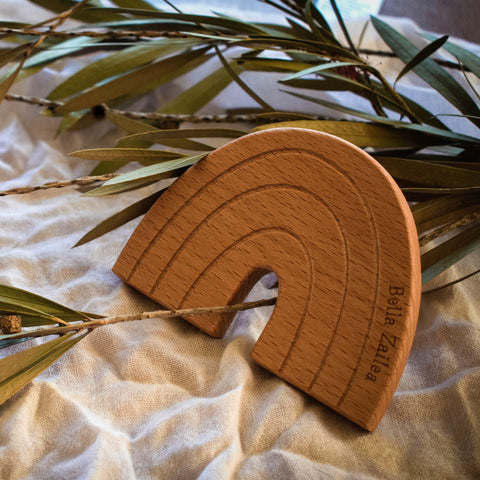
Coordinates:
<point>336,230</point>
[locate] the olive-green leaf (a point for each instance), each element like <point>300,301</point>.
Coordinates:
<point>88,15</point>
<point>428,70</point>
<point>426,212</point>
<point>127,155</point>
<point>159,72</point>
<point>17,301</point>
<point>144,176</point>
<point>231,71</point>
<point>62,49</point>
<point>21,368</point>
<point>439,258</point>
<point>120,218</point>
<point>12,54</point>
<point>421,56</point>
<point>442,136</point>
<point>361,134</point>
<point>236,26</point>
<point>197,96</point>
<point>469,59</point>
<point>429,174</point>
<point>158,136</point>
<point>117,63</point>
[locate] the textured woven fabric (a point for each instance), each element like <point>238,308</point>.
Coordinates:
<point>158,398</point>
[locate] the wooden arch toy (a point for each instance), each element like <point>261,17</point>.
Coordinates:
<point>336,230</point>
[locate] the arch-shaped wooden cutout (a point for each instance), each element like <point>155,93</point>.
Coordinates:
<point>334,227</point>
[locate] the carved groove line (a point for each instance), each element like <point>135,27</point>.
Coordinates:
<point>247,237</point>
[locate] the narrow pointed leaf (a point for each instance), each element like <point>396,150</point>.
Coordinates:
<point>236,26</point>
<point>159,72</point>
<point>428,70</point>
<point>117,63</point>
<point>421,56</point>
<point>438,259</point>
<point>144,176</point>
<point>361,134</point>
<point>21,368</point>
<point>425,212</point>
<point>12,54</point>
<point>196,97</point>
<point>234,75</point>
<point>429,173</point>
<point>442,136</point>
<point>320,68</point>
<point>126,155</point>
<point>120,218</point>
<point>14,300</point>
<point>85,15</point>
<point>62,49</point>
<point>469,59</point>
<point>158,136</point>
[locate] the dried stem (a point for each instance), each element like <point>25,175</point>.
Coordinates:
<point>59,184</point>
<point>92,324</point>
<point>149,34</point>
<point>162,117</point>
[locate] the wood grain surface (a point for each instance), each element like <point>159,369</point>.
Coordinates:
<point>336,230</point>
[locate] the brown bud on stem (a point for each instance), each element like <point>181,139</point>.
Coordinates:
<point>11,324</point>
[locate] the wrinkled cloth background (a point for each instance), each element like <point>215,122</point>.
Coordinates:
<point>158,398</point>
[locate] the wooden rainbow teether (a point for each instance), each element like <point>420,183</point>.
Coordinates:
<point>336,230</point>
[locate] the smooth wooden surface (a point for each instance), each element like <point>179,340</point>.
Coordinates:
<point>337,232</point>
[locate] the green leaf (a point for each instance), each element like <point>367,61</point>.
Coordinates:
<point>429,174</point>
<point>116,64</point>
<point>424,213</point>
<point>159,73</point>
<point>196,97</point>
<point>16,301</point>
<point>441,136</point>
<point>439,258</point>
<point>133,4</point>
<point>234,75</point>
<point>120,218</point>
<point>232,25</point>
<point>126,155</point>
<point>8,81</point>
<point>144,176</point>
<point>158,136</point>
<point>428,70</point>
<point>469,59</point>
<point>320,68</point>
<point>11,54</point>
<point>361,134</point>
<point>62,49</point>
<point>334,82</point>
<point>421,56</point>
<point>21,368</point>
<point>85,15</point>
<point>287,46</point>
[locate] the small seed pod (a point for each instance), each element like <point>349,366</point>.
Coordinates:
<point>10,324</point>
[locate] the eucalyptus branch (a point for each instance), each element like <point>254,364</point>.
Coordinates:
<point>92,324</point>
<point>59,184</point>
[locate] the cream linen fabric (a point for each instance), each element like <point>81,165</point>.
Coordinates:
<point>158,399</point>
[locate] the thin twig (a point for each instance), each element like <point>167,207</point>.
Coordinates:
<point>108,35</point>
<point>92,324</point>
<point>162,117</point>
<point>139,35</point>
<point>59,184</point>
